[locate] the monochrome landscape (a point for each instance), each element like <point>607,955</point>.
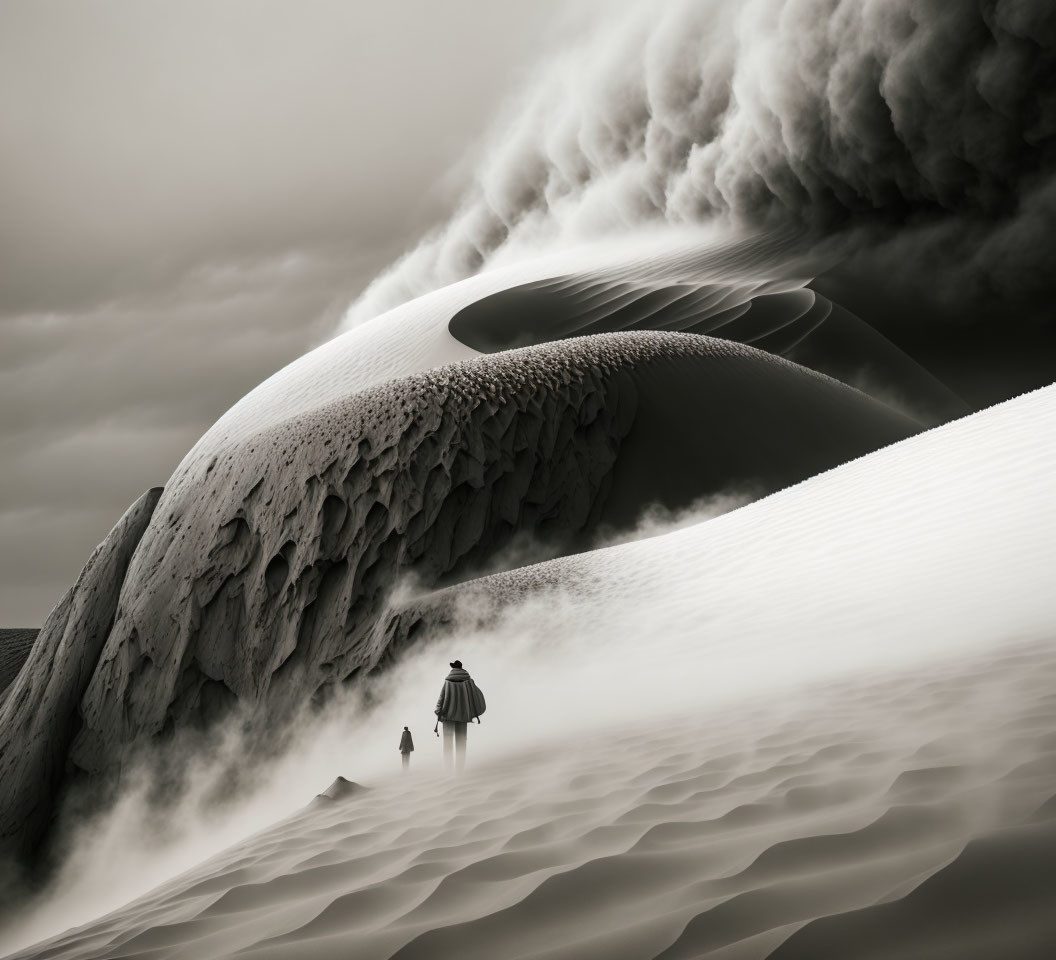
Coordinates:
<point>709,422</point>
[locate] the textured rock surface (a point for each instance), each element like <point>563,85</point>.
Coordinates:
<point>340,789</point>
<point>39,716</point>
<point>15,645</point>
<point>267,568</point>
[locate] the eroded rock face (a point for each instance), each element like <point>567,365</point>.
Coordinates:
<point>265,576</point>
<point>39,715</point>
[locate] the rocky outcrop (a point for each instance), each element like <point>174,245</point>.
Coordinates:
<point>265,576</point>
<point>341,789</point>
<point>40,715</point>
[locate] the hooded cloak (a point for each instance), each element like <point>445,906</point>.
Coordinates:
<point>461,700</point>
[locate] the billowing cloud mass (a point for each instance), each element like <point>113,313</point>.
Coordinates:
<point>932,117</point>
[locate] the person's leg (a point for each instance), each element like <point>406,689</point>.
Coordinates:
<point>406,760</point>
<point>449,736</point>
<point>460,747</point>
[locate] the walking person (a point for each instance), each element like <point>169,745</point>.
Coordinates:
<point>460,702</point>
<point>406,747</point>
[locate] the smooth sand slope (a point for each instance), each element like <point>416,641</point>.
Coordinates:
<point>910,816</point>
<point>943,541</point>
<point>830,731</point>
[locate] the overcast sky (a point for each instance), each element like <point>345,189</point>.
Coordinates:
<point>192,193</point>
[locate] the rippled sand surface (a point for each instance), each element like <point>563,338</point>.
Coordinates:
<point>913,815</point>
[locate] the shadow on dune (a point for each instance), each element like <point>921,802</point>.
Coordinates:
<point>994,899</point>
<point>799,324</point>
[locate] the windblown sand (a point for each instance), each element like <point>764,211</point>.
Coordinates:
<point>912,815</point>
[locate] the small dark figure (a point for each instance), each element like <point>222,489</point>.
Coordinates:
<point>460,701</point>
<point>406,747</point>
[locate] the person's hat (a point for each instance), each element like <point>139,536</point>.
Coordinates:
<point>457,664</point>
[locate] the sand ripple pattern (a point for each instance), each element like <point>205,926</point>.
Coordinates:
<point>912,815</point>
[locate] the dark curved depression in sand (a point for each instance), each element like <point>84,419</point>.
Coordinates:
<point>800,324</point>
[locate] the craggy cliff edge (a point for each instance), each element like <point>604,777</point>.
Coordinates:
<point>40,713</point>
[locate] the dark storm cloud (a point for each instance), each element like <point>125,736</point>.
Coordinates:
<point>191,193</point>
<point>929,120</point>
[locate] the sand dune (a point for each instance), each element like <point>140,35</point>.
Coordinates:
<point>867,813</point>
<point>720,823</point>
<point>261,584</point>
<point>415,336</point>
<point>291,520</point>
<point>685,632</point>
<point>419,335</point>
